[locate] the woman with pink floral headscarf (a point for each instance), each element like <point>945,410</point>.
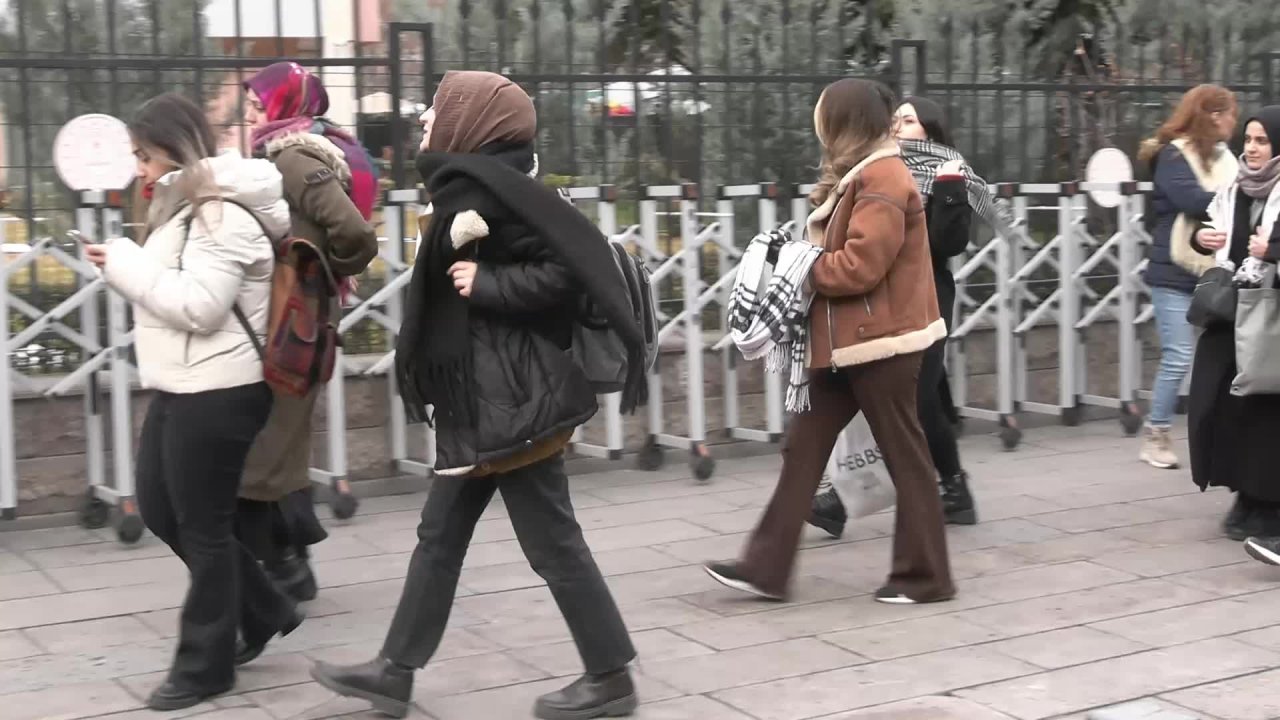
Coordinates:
<point>331,187</point>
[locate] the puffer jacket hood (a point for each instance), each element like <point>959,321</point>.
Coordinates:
<point>253,183</point>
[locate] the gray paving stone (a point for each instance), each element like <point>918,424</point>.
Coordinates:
<point>1100,517</point>
<point>39,672</point>
<point>1173,559</point>
<point>27,585</point>
<point>78,554</point>
<point>670,489</point>
<point>470,674</point>
<point>654,645</point>
<point>1253,697</point>
<point>73,607</point>
<point>1229,580</point>
<point>69,702</point>
<point>1087,606</point>
<point>92,634</point>
<point>1175,532</point>
<point>693,707</point>
<point>927,708</point>
<point>1215,618</point>
<point>1084,546</point>
<point>732,632</point>
<point>357,571</point>
<point>1069,646</point>
<point>14,645</point>
<point>1046,580</point>
<point>1268,638</point>
<point>11,563</point>
<point>1121,679</point>
<point>688,508</point>
<point>49,538</point>
<point>1141,710</point>
<point>744,666</point>
<point>912,637</point>
<point>306,701</point>
<point>873,684</point>
<point>145,571</point>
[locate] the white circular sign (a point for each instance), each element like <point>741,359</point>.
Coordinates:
<point>1108,165</point>
<point>94,152</point>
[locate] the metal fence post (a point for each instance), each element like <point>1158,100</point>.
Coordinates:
<point>1130,346</point>
<point>119,338</point>
<point>1068,305</point>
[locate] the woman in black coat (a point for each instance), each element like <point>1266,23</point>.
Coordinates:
<point>504,269</point>
<point>918,120</point>
<point>1231,437</point>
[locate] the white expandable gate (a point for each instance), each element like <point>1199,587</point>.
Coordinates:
<point>997,283</point>
<point>98,217</point>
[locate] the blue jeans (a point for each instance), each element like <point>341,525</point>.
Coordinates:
<point>1177,344</point>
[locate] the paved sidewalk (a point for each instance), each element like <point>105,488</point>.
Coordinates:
<point>1093,581</point>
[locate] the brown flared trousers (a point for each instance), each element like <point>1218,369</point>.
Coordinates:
<point>885,391</point>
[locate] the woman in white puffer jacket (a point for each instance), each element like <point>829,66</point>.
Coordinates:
<point>208,251</point>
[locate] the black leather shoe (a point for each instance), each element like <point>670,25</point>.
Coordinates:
<point>828,514</point>
<point>387,686</point>
<point>957,501</point>
<point>590,696</point>
<point>1243,521</point>
<point>294,576</point>
<point>169,697</point>
<point>247,653</point>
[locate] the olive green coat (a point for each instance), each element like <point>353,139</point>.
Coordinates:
<point>315,180</point>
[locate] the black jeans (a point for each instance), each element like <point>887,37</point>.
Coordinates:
<point>537,499</point>
<point>938,429</point>
<point>190,460</point>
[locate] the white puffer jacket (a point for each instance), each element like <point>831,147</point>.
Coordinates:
<point>184,281</point>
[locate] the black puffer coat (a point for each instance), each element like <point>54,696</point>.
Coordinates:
<point>513,384</point>
<point>523,303</point>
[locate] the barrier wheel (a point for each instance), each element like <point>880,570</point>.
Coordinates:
<point>129,528</point>
<point>1010,437</point>
<point>94,512</point>
<point>341,502</point>
<point>702,464</point>
<point>650,457</point>
<point>1071,416</point>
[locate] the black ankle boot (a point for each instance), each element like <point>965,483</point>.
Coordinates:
<point>827,513</point>
<point>957,501</point>
<point>1243,520</point>
<point>389,687</point>
<point>590,696</point>
<point>294,576</point>
<point>248,650</point>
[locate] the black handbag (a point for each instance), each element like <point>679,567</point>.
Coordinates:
<point>1213,303</point>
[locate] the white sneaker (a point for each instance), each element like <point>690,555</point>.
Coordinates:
<point>1157,449</point>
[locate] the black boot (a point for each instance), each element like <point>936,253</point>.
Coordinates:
<point>294,576</point>
<point>957,501</point>
<point>590,696</point>
<point>247,651</point>
<point>1243,520</point>
<point>389,687</point>
<point>169,697</point>
<point>827,513</point>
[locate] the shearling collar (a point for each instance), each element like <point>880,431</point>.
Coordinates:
<point>818,218</point>
<point>320,146</point>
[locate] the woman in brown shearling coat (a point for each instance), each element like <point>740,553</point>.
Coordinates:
<point>873,315</point>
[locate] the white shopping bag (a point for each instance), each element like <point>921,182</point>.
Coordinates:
<point>858,472</point>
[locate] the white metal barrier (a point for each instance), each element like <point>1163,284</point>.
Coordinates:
<point>997,293</point>
<point>98,217</point>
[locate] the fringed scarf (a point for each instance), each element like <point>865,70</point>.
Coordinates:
<point>923,157</point>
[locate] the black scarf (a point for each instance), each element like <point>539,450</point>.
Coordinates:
<point>433,349</point>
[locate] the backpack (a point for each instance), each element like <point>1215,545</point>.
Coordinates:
<point>597,348</point>
<point>302,340</point>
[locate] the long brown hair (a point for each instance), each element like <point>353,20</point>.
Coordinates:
<point>853,117</point>
<point>1194,120</point>
<point>178,128</point>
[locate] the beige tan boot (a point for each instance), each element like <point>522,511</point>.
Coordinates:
<point>1157,449</point>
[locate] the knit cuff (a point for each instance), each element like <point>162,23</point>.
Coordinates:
<point>949,176</point>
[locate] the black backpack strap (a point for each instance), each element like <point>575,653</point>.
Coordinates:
<point>248,330</point>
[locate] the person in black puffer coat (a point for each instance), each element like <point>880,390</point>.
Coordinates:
<point>504,269</point>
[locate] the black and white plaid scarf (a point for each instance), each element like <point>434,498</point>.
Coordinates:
<point>923,158</point>
<point>769,308</point>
